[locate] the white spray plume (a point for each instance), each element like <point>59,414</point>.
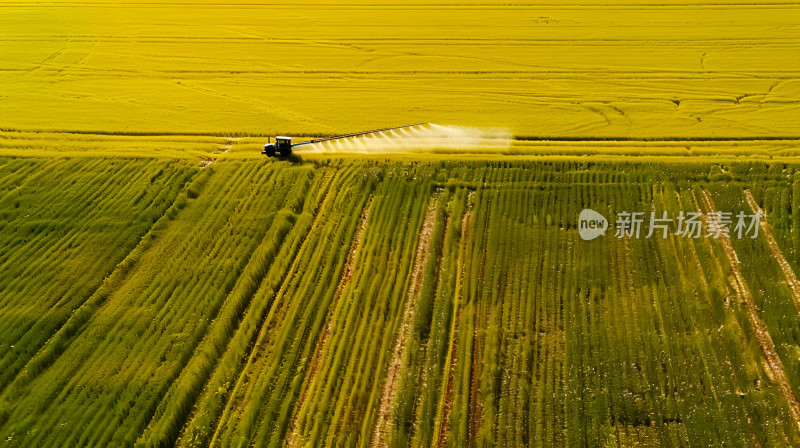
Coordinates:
<point>416,138</point>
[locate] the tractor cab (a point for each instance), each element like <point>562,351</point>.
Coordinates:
<point>282,147</point>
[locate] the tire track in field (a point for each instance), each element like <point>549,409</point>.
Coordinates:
<point>774,364</point>
<point>211,159</point>
<point>295,438</point>
<point>46,61</point>
<point>440,431</point>
<point>475,407</point>
<point>389,393</point>
<point>788,272</point>
<point>706,289</point>
<point>241,378</point>
<point>266,106</point>
<point>423,377</point>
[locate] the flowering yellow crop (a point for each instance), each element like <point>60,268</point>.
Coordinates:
<point>699,70</point>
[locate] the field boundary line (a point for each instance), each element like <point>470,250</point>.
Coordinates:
<point>788,272</point>
<point>774,364</point>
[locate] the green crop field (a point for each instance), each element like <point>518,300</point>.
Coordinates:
<point>164,284</point>
<point>386,303</point>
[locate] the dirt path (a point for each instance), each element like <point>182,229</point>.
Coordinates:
<point>791,278</point>
<point>774,364</point>
<point>707,295</point>
<point>423,377</point>
<point>389,393</point>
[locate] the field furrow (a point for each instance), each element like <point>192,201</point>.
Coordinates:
<point>775,366</point>
<point>498,224</point>
<point>788,272</point>
<point>398,353</point>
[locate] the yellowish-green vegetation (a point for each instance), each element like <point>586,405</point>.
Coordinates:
<point>164,284</point>
<point>264,306</point>
<point>585,69</point>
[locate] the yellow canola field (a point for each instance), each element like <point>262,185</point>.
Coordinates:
<point>575,69</point>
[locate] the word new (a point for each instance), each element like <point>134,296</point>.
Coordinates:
<point>592,224</point>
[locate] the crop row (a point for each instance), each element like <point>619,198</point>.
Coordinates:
<point>66,224</point>
<point>109,377</point>
<point>372,304</point>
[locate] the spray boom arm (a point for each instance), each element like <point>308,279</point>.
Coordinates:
<point>355,134</point>
<point>283,145</point>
